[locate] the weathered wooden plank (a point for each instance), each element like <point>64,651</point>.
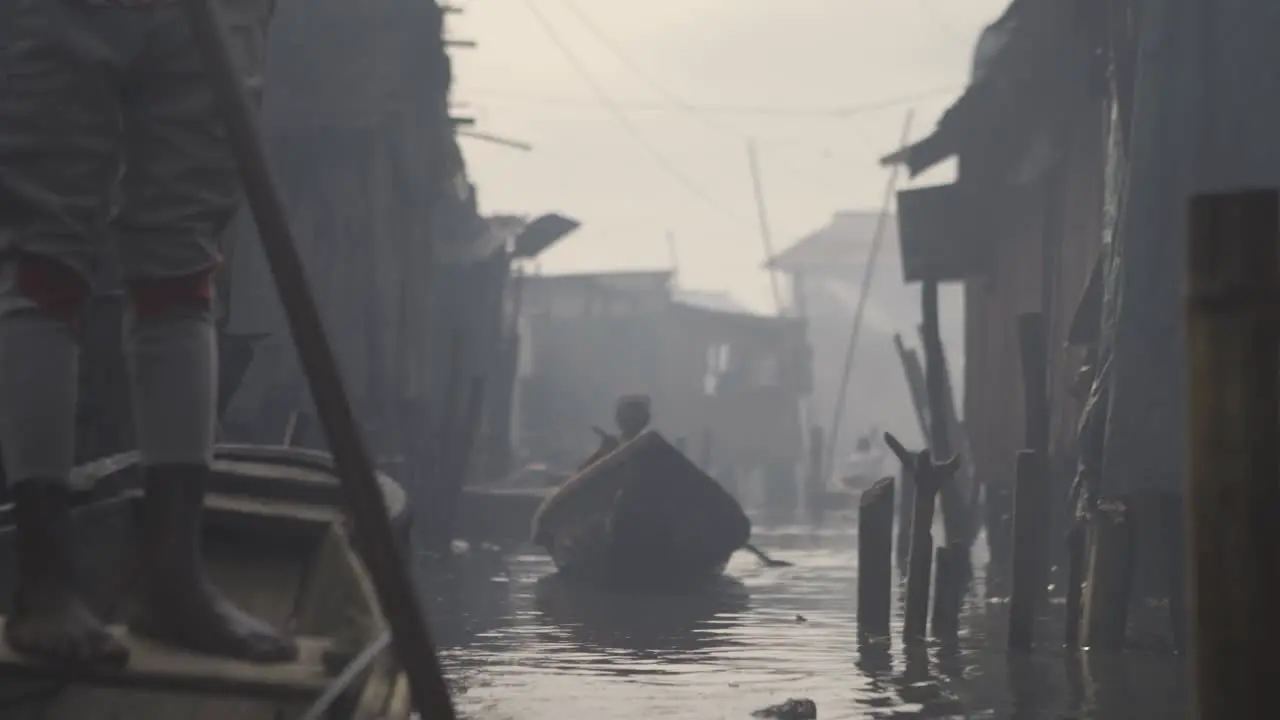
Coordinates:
<point>156,667</point>
<point>1233,499</point>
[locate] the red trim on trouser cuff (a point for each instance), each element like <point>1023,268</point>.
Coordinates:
<point>53,286</point>
<point>153,296</point>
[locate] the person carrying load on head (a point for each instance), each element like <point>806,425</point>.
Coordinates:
<point>109,130</point>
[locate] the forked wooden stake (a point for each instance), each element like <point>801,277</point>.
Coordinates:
<point>928,477</point>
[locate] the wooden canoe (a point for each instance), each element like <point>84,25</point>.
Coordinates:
<point>643,517</point>
<point>275,542</point>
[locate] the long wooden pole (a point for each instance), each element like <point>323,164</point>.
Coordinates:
<point>890,187</point>
<point>361,493</point>
<point>766,235</point>
<point>1233,498</point>
<point>954,517</point>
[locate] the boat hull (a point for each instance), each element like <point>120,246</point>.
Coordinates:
<point>275,542</point>
<point>644,518</point>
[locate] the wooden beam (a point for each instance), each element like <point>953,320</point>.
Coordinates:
<point>158,668</point>
<point>1233,499</point>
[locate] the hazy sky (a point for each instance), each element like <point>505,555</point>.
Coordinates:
<point>823,86</point>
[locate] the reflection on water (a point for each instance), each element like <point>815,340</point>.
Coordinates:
<point>671,628</point>
<point>520,644</point>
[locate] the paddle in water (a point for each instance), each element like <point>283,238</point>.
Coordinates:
<point>764,558</point>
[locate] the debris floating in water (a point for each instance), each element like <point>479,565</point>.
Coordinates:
<point>793,709</point>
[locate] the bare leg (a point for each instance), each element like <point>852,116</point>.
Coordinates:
<point>172,359</point>
<point>178,604</point>
<point>179,191</point>
<point>38,358</point>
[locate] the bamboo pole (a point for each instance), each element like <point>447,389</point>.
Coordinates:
<point>877,239</point>
<point>361,492</point>
<point>914,373</point>
<point>959,439</point>
<point>766,236</point>
<point>1233,497</point>
<point>954,514</point>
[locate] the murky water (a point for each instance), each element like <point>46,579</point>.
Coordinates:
<point>518,645</point>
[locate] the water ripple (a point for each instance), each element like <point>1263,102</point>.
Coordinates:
<point>518,644</point>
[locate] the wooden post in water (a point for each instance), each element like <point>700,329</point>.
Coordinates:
<point>953,511</point>
<point>955,514</point>
<point>946,605</point>
<point>914,374</point>
<point>447,445</point>
<point>460,466</point>
<point>1075,584</point>
<point>1033,352</point>
<point>1110,576</point>
<point>1031,498</point>
<point>875,557</point>
<point>1030,548</point>
<point>815,485</point>
<point>919,567</point>
<point>1233,496</point>
<point>906,515</point>
<point>928,477</point>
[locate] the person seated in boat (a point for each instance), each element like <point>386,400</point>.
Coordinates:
<point>631,413</point>
<point>863,466</point>
<point>109,130</point>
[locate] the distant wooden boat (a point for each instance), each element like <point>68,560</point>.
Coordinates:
<point>642,517</point>
<point>276,543</point>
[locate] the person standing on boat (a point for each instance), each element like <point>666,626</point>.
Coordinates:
<point>109,130</point>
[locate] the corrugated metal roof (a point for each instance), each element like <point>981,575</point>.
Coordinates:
<point>611,293</point>
<point>839,246</point>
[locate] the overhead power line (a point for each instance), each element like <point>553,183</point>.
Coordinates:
<point>607,102</point>
<point>674,100</point>
<point>836,112</point>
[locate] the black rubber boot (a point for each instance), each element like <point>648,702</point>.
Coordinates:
<point>50,623</point>
<point>178,604</point>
